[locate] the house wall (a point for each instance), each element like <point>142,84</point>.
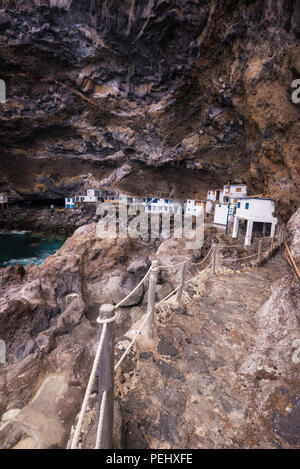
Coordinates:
<point>220,216</point>
<point>69,202</point>
<point>208,206</point>
<point>212,195</point>
<point>192,208</point>
<point>164,206</point>
<point>260,210</point>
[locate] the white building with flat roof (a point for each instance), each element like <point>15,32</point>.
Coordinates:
<point>254,209</point>
<point>158,205</point>
<point>234,191</point>
<point>194,207</point>
<point>3,200</point>
<point>222,215</point>
<point>215,195</point>
<point>70,202</point>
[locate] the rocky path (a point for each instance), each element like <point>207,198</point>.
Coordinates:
<point>188,391</point>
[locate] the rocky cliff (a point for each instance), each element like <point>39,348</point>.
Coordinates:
<point>150,94</point>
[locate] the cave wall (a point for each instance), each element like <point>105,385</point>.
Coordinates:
<point>147,95</point>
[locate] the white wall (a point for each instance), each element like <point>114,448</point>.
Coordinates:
<point>260,210</point>
<point>221,212</point>
<point>208,208</point>
<point>173,206</point>
<point>192,209</point>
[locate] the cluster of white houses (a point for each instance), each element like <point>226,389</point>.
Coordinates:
<point>231,203</point>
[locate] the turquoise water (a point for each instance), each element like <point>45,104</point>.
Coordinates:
<point>24,247</point>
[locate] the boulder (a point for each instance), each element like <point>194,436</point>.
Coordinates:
<point>140,266</point>
<point>127,283</point>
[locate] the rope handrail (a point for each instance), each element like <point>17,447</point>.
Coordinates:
<point>203,260</point>
<point>105,322</point>
<point>134,290</point>
<point>132,342</point>
<point>88,389</point>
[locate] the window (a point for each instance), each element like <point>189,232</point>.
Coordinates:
<point>238,189</point>
<point>247,205</point>
<point>239,205</point>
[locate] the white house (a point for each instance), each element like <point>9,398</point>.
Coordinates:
<point>234,191</point>
<point>3,200</point>
<point>69,202</point>
<point>92,196</point>
<point>208,206</point>
<point>132,200</point>
<point>223,213</point>
<point>215,195</point>
<point>158,205</point>
<point>254,209</point>
<point>194,207</point>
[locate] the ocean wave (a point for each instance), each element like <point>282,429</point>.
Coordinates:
<point>24,261</point>
<point>15,232</point>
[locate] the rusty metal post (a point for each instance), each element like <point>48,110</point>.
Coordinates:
<point>149,326</point>
<point>183,276</point>
<point>106,375</point>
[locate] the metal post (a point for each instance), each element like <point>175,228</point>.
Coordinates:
<point>214,259</point>
<point>183,275</point>
<point>151,300</point>
<point>259,250</point>
<point>106,375</point>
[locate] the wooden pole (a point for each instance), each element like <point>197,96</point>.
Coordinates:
<point>183,276</point>
<point>214,259</point>
<point>259,250</point>
<point>149,326</point>
<point>106,375</point>
<point>272,244</point>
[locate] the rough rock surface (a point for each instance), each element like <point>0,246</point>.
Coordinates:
<point>200,383</point>
<point>150,95</point>
<point>45,321</point>
<point>194,388</point>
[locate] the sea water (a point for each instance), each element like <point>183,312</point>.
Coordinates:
<point>25,247</point>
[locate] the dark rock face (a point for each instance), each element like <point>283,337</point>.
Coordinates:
<point>150,94</point>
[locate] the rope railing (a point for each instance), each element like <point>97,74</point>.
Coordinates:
<point>104,427</point>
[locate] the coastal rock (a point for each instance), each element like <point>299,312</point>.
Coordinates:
<point>139,266</point>
<point>125,286</point>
